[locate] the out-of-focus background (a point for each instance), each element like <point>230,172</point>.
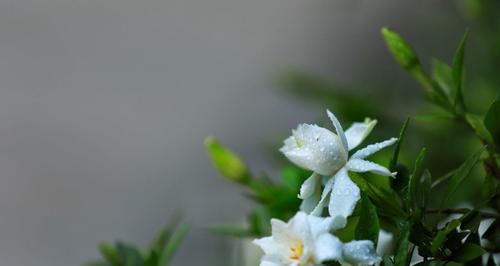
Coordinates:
<point>104,106</point>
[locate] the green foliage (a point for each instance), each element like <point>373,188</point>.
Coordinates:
<point>413,206</point>
<point>160,252</point>
<point>492,121</point>
<point>402,253</point>
<point>368,226</point>
<point>273,200</point>
<point>460,174</point>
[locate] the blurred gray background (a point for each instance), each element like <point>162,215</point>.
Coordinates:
<point>104,106</point>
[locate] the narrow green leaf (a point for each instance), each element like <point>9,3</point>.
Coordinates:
<point>401,256</point>
<point>401,50</point>
<point>417,186</point>
<point>477,123</point>
<point>442,74</point>
<point>386,200</point>
<point>492,121</point>
<point>460,175</point>
<point>226,161</point>
<point>457,72</point>
<point>368,226</point>
<point>438,241</point>
<point>470,221</point>
<point>395,155</point>
<point>172,245</point>
<point>468,252</point>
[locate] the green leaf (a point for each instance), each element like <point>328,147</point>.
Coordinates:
<point>401,256</point>
<point>401,50</point>
<point>492,121</point>
<point>442,74</point>
<point>226,161</point>
<point>440,238</point>
<point>460,175</point>
<point>468,252</point>
<point>109,253</point>
<point>386,200</point>
<point>395,155</point>
<point>172,245</point>
<point>477,123</point>
<point>457,72</point>
<point>418,186</point>
<point>471,221</point>
<point>368,225</point>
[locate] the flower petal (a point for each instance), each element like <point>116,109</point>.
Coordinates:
<point>360,252</point>
<point>321,225</point>
<point>338,128</point>
<point>373,148</point>
<point>308,204</point>
<point>309,186</point>
<point>361,166</point>
<point>327,248</point>
<point>315,148</point>
<point>318,210</point>
<point>268,245</point>
<point>345,194</point>
<point>273,260</point>
<point>358,132</point>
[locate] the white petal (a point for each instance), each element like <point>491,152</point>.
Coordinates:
<point>345,195</point>
<point>321,225</point>
<point>268,245</point>
<point>309,186</point>
<point>300,228</point>
<point>308,204</point>
<point>326,248</point>
<point>361,166</point>
<point>338,128</point>
<point>360,252</point>
<point>315,148</point>
<point>373,148</point>
<point>273,260</point>
<point>358,132</point>
<point>281,232</point>
<point>318,210</point>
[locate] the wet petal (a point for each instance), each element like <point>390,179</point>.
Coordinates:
<point>345,194</point>
<point>326,248</point>
<point>361,166</point>
<point>315,148</point>
<point>360,252</point>
<point>358,132</point>
<point>318,210</point>
<point>338,128</point>
<point>321,225</point>
<point>310,186</point>
<point>373,148</point>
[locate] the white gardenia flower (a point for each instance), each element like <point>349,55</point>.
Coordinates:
<point>326,154</point>
<point>306,241</point>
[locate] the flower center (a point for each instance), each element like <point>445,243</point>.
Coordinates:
<point>297,251</point>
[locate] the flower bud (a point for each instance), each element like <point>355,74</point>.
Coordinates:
<point>227,163</point>
<point>315,148</point>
